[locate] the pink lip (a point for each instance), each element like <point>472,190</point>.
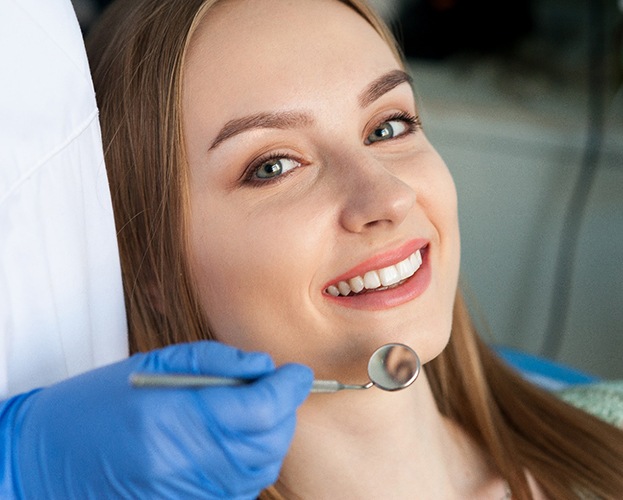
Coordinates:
<point>392,297</point>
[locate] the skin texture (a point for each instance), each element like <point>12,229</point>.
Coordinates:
<point>263,254</point>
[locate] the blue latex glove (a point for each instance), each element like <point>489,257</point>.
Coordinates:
<point>95,436</point>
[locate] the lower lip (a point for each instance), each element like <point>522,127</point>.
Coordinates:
<point>412,288</point>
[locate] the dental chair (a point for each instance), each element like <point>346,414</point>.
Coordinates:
<point>544,372</point>
<point>599,397</point>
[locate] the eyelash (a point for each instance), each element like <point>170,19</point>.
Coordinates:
<point>412,123</point>
<point>255,165</point>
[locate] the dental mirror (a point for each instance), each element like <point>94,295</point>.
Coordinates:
<point>391,367</point>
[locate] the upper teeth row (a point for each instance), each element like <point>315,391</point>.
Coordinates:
<point>375,279</point>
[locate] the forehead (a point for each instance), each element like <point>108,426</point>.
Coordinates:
<point>246,50</point>
<point>265,21</point>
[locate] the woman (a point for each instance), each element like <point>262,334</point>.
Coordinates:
<point>274,190</point>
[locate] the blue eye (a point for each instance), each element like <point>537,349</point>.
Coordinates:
<point>275,167</point>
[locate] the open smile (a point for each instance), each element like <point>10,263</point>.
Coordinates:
<point>379,279</point>
<point>384,281</point>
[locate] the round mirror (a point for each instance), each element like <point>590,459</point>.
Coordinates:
<point>393,367</point>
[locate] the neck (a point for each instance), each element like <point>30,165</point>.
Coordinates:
<point>366,443</point>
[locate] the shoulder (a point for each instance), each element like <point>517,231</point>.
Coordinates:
<point>602,399</point>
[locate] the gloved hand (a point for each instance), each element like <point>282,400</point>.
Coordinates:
<point>95,436</point>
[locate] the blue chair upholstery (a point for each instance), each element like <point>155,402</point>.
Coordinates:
<point>542,371</point>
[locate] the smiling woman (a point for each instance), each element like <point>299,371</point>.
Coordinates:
<point>274,190</point>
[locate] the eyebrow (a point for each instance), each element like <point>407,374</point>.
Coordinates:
<point>290,119</point>
<point>279,120</point>
<point>382,85</point>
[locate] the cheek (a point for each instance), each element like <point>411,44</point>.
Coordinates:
<point>445,217</point>
<point>450,212</point>
<point>441,191</point>
<point>436,193</point>
<point>249,266</point>
<point>451,238</point>
<point>437,196</point>
<point>227,279</point>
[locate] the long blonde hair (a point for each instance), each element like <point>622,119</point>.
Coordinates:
<point>137,54</point>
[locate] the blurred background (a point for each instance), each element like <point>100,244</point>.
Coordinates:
<point>524,100</point>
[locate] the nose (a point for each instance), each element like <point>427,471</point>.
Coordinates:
<point>375,196</point>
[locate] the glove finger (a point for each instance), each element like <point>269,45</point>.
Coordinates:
<point>259,450</point>
<point>208,357</point>
<point>196,450</point>
<point>262,405</point>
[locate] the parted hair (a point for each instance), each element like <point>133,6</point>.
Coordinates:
<point>137,52</point>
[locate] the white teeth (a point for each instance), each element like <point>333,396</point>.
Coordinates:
<point>356,284</point>
<point>416,260</point>
<point>343,287</point>
<point>406,267</point>
<point>371,280</point>
<point>389,275</point>
<point>385,277</point>
<point>332,290</point>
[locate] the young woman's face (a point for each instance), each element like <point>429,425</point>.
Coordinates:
<point>310,178</point>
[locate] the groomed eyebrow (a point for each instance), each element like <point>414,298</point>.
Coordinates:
<point>382,85</point>
<point>279,120</point>
<point>290,119</point>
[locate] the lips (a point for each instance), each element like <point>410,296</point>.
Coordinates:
<point>378,279</point>
<point>405,270</point>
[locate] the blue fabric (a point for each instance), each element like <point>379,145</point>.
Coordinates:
<point>544,372</point>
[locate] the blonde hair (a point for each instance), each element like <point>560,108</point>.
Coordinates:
<point>137,55</point>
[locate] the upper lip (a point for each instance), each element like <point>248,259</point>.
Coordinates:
<point>381,260</point>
